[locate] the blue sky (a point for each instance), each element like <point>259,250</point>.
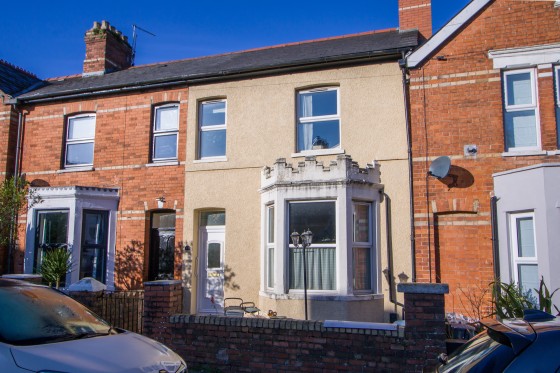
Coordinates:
<point>46,37</point>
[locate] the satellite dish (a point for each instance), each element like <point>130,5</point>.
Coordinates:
<point>440,167</point>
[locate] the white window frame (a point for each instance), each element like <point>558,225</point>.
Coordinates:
<point>165,132</point>
<point>367,245</point>
<point>323,118</point>
<point>336,246</point>
<point>270,240</point>
<point>84,140</point>
<point>557,102</point>
<point>515,258</point>
<point>218,127</point>
<point>534,105</point>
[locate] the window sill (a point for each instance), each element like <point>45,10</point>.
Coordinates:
<point>327,296</point>
<point>554,152</point>
<point>162,163</point>
<point>524,153</point>
<point>210,160</point>
<point>76,169</point>
<point>308,153</point>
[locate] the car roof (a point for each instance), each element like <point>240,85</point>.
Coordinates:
<point>519,333</point>
<point>8,282</point>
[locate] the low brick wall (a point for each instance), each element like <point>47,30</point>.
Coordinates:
<point>229,344</point>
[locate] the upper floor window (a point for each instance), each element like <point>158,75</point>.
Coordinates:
<point>212,129</point>
<point>80,140</point>
<point>166,132</point>
<point>318,119</point>
<point>521,117</point>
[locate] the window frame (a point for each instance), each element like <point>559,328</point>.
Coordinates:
<point>556,78</point>
<point>334,245</point>
<point>84,140</point>
<point>270,240</point>
<point>160,133</point>
<point>514,247</point>
<point>534,105</point>
<point>364,245</point>
<point>209,128</point>
<point>322,118</point>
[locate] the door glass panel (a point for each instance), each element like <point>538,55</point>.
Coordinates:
<point>213,218</point>
<point>214,255</point>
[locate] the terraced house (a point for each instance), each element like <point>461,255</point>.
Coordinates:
<point>484,92</point>
<point>202,169</point>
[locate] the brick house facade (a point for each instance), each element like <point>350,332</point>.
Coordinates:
<point>106,162</point>
<point>482,92</point>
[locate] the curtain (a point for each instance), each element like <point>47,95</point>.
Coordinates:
<point>321,268</point>
<point>307,128</point>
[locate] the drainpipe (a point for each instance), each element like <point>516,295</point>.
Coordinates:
<point>389,233</point>
<point>495,240</point>
<point>402,64</point>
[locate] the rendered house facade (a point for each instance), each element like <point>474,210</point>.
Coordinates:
<point>484,92</point>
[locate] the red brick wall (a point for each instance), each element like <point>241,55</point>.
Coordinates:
<point>232,344</point>
<point>416,14</point>
<point>455,101</point>
<point>8,137</point>
<point>122,151</point>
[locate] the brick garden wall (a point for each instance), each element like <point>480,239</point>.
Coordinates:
<point>456,100</point>
<point>234,344</point>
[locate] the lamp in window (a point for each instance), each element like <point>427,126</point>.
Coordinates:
<point>306,239</point>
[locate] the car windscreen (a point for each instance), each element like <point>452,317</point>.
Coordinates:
<point>480,354</point>
<point>33,315</point>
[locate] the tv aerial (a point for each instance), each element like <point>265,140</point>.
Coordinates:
<point>134,37</point>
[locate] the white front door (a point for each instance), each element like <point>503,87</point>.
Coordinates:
<point>211,269</point>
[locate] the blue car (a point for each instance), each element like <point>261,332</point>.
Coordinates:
<point>531,344</point>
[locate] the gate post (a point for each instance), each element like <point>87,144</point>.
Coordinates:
<point>424,315</point>
<point>162,299</point>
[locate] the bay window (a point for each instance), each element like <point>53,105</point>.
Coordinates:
<point>362,246</point>
<point>320,218</point>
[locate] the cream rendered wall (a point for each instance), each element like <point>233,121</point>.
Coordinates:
<point>261,128</point>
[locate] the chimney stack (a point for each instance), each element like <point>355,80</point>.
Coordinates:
<point>107,50</point>
<point>416,14</point>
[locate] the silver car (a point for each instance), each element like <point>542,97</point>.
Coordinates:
<point>43,330</point>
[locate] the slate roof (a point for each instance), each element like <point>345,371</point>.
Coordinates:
<point>14,80</point>
<point>368,45</point>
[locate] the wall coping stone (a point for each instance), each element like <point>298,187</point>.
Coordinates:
<point>390,330</point>
<point>422,288</point>
<point>163,282</point>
